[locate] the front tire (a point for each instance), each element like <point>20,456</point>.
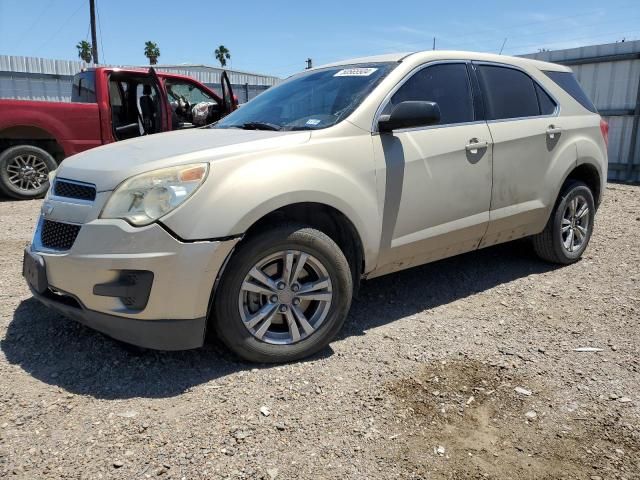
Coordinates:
<point>284,295</point>
<point>24,172</point>
<point>569,229</point>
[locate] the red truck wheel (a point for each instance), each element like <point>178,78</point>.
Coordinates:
<point>24,171</point>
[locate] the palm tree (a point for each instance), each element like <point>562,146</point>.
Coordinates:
<point>84,51</point>
<point>222,55</point>
<point>152,52</point>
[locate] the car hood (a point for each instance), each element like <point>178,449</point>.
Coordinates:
<point>108,166</point>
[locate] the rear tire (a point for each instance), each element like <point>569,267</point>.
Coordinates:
<point>568,231</point>
<point>24,172</point>
<point>303,309</point>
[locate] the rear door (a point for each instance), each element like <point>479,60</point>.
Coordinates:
<point>435,180</point>
<point>527,138</point>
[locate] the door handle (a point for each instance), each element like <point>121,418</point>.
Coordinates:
<point>474,145</point>
<point>552,131</point>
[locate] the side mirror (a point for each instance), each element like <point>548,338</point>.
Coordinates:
<point>410,114</point>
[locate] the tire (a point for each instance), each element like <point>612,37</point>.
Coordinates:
<point>32,165</point>
<point>554,245</point>
<point>267,251</point>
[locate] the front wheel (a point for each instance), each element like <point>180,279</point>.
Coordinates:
<point>24,171</point>
<point>569,229</point>
<point>284,295</point>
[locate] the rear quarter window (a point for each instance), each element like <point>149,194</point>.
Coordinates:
<point>83,89</point>
<point>568,82</point>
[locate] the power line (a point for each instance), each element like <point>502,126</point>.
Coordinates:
<point>545,32</point>
<point>471,40</point>
<point>617,34</point>
<point>40,17</point>
<point>63,25</point>
<point>100,32</point>
<point>549,20</point>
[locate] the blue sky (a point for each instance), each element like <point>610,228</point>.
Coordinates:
<point>276,37</point>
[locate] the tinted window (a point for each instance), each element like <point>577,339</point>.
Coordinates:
<point>84,87</point>
<point>547,105</point>
<point>569,84</point>
<point>447,85</point>
<point>508,93</point>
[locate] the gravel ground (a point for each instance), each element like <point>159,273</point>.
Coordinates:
<point>464,368</point>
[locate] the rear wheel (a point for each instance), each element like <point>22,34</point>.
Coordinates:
<point>570,226</point>
<point>24,171</point>
<point>284,295</point>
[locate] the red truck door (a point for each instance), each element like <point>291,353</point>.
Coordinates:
<point>165,108</point>
<point>230,103</point>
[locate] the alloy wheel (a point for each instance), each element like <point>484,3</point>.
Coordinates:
<point>27,172</point>
<point>575,224</point>
<point>285,297</point>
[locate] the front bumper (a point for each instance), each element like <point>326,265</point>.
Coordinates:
<point>172,317</point>
<point>155,334</point>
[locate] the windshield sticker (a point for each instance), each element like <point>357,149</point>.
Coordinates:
<point>313,121</point>
<point>355,72</point>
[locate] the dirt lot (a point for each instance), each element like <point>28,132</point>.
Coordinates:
<point>421,383</point>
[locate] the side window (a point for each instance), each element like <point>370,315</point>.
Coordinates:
<point>508,93</point>
<point>446,84</point>
<point>183,90</point>
<point>568,82</point>
<point>84,87</point>
<point>547,105</point>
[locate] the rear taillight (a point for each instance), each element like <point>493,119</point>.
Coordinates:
<point>604,128</point>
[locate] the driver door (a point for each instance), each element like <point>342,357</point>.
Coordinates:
<point>164,116</point>
<point>229,101</point>
<point>435,181</point>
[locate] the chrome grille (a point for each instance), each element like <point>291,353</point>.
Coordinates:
<point>64,188</point>
<point>57,235</point>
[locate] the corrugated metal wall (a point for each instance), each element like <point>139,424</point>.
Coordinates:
<point>610,75</point>
<point>30,78</point>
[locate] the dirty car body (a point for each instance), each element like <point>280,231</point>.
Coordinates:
<point>262,226</point>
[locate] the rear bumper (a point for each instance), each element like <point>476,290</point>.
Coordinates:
<point>155,334</point>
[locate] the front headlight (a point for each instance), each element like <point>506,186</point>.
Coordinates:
<point>144,198</point>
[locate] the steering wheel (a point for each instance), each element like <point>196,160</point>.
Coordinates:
<point>184,105</point>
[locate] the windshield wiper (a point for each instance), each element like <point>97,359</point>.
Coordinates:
<point>259,126</point>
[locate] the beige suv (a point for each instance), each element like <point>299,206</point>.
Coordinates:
<point>262,225</point>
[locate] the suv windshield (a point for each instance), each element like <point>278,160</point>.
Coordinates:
<point>310,100</point>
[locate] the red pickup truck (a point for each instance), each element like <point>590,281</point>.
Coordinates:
<point>107,105</point>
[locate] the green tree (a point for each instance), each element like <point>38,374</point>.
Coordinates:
<point>152,52</point>
<point>84,51</point>
<point>222,55</point>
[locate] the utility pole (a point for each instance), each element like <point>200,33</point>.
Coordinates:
<point>94,38</point>
<point>309,63</point>
<point>434,43</point>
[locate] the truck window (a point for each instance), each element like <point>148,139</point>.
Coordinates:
<point>83,89</point>
<point>177,89</point>
<point>190,105</point>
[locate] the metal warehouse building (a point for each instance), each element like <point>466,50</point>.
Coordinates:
<point>610,74</point>
<point>31,78</point>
